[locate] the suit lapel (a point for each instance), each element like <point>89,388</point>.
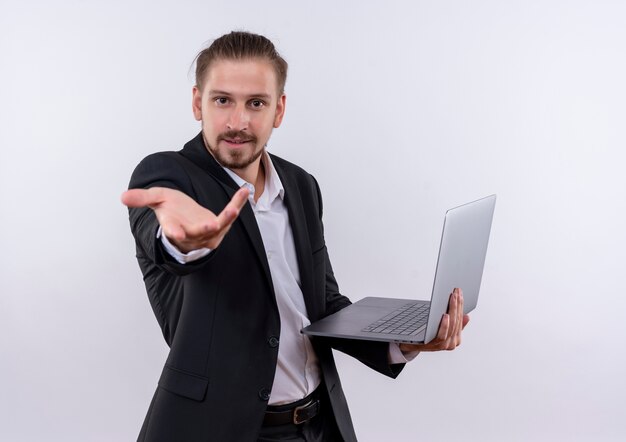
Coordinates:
<point>246,216</point>
<point>297,220</point>
<point>196,151</point>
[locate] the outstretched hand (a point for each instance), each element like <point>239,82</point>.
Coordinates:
<point>184,222</point>
<point>449,334</point>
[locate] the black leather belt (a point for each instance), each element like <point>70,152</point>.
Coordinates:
<point>297,413</point>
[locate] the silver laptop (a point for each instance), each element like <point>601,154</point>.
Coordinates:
<point>460,264</point>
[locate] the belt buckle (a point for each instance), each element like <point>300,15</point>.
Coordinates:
<point>296,418</point>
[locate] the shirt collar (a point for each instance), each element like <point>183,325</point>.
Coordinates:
<point>273,184</point>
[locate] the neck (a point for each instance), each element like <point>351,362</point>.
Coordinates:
<point>259,185</point>
<point>251,172</point>
<point>255,175</point>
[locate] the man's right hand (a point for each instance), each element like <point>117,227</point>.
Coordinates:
<point>184,222</point>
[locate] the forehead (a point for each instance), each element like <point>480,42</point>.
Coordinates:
<point>245,77</point>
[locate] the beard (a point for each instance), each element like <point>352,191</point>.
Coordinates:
<point>235,159</point>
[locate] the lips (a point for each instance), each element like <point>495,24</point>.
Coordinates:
<point>236,138</point>
<point>236,141</point>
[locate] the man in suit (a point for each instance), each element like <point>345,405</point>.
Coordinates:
<point>230,242</point>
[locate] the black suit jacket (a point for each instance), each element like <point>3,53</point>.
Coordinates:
<point>219,314</point>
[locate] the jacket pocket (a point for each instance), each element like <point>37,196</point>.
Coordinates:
<point>183,383</point>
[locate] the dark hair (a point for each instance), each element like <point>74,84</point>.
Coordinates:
<point>240,45</point>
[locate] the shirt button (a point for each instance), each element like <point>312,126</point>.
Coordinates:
<point>273,341</point>
<point>264,394</point>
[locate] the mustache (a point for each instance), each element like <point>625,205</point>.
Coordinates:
<point>236,135</point>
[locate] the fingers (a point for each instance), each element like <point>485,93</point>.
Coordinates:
<point>459,319</point>
<point>173,230</point>
<point>459,313</point>
<point>232,209</point>
<point>442,340</point>
<point>449,334</point>
<point>444,327</point>
<point>186,223</point>
<point>453,311</point>
<point>466,319</point>
<point>142,197</point>
<point>208,230</point>
<point>451,326</point>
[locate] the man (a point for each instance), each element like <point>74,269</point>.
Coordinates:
<point>230,242</point>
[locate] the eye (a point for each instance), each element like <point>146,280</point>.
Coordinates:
<point>221,100</point>
<point>257,104</point>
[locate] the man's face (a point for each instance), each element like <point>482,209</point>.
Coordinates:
<point>239,105</point>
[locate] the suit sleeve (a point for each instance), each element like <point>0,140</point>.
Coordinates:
<point>371,353</point>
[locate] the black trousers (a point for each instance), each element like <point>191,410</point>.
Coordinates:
<point>322,428</point>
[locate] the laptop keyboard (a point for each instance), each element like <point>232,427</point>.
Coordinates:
<point>405,320</point>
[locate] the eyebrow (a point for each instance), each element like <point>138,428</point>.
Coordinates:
<point>261,95</point>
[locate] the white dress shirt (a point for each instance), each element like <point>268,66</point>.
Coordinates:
<point>297,371</point>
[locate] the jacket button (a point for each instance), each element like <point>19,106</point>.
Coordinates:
<point>264,394</point>
<point>273,341</point>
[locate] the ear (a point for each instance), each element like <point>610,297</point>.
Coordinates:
<point>196,103</point>
<point>280,110</point>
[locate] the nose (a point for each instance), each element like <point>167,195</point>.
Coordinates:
<point>239,118</point>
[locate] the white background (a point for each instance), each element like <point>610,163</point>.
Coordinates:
<point>401,110</point>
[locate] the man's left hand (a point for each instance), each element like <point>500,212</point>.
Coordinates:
<point>449,334</point>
